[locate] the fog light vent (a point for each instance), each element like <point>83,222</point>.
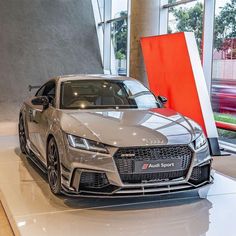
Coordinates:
<point>93,180</point>
<point>200,174</point>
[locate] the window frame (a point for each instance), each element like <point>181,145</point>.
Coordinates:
<point>103,27</point>
<point>53,104</point>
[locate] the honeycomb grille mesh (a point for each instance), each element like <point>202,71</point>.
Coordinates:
<point>125,159</point>
<point>93,180</point>
<point>200,174</point>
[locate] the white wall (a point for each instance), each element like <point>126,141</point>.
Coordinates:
<point>224,69</point>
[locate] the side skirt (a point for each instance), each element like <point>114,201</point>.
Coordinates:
<point>37,161</point>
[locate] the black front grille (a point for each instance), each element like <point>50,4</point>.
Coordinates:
<point>200,174</point>
<point>93,180</point>
<point>125,159</point>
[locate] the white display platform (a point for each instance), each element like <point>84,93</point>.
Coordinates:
<point>33,210</point>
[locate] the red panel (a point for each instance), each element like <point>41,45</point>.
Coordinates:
<point>170,73</point>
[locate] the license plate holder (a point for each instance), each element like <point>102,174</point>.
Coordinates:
<point>153,166</point>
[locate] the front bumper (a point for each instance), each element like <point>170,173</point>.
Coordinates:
<point>91,174</point>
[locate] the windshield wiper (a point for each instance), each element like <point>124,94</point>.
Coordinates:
<point>103,107</point>
<point>110,106</point>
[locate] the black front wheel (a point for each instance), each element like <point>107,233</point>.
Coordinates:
<point>53,167</point>
<point>22,135</point>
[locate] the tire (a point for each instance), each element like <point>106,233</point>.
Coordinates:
<point>22,135</point>
<point>53,167</point>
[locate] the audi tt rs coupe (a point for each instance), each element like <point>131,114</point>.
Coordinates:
<point>98,135</point>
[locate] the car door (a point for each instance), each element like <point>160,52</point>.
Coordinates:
<point>31,121</point>
<point>39,119</point>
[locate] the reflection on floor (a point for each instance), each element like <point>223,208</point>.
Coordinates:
<point>33,210</point>
<point>5,228</point>
<point>226,165</point>
<point>10,111</point>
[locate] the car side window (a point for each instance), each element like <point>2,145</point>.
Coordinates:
<point>48,90</point>
<point>40,91</point>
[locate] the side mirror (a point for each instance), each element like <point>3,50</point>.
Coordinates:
<point>41,101</point>
<point>162,99</point>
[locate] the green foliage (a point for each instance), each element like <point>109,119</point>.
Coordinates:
<point>187,19</point>
<point>191,19</point>
<point>225,24</point>
<point>119,36</point>
<point>228,119</point>
<point>120,55</point>
<point>225,118</point>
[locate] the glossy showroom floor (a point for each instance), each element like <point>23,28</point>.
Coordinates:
<point>33,210</point>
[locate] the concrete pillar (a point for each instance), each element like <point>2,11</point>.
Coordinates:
<point>144,22</point>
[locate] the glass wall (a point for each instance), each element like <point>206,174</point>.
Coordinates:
<point>187,17</point>
<point>101,9</point>
<point>114,17</point>
<point>119,32</point>
<point>119,43</point>
<point>118,8</point>
<point>224,66</point>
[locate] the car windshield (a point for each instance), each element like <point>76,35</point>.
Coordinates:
<point>97,94</point>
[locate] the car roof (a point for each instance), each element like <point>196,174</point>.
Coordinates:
<point>91,76</point>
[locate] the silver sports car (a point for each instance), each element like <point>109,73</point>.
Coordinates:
<point>97,135</point>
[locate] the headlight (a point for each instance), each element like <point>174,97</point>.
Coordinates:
<point>85,144</point>
<point>200,141</point>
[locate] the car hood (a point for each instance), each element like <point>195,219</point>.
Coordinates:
<point>131,127</point>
